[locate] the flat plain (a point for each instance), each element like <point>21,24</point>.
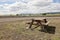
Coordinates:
<point>15,29</point>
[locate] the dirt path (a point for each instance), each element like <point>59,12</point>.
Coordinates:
<point>22,18</point>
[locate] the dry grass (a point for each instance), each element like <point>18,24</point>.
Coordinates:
<point>16,31</point>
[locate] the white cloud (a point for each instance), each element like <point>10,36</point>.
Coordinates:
<point>30,6</point>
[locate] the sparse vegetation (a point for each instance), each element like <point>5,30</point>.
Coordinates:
<point>15,30</point>
<point>40,14</point>
<point>44,14</point>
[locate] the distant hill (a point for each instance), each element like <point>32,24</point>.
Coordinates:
<point>53,13</point>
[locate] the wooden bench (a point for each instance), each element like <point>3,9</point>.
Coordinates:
<point>43,24</point>
<point>37,22</point>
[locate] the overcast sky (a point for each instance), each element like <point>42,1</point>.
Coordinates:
<point>28,6</point>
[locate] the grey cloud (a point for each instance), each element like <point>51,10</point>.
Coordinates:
<point>17,8</point>
<point>42,4</point>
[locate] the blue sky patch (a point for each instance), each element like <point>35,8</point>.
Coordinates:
<point>7,2</point>
<point>56,1</point>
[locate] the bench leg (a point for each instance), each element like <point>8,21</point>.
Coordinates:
<point>31,24</point>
